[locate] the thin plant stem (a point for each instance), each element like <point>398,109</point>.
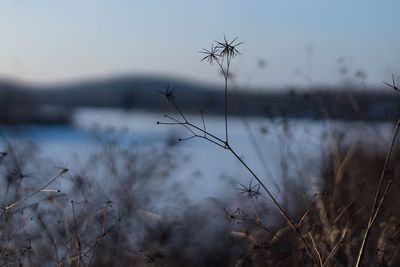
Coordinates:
<point>226,75</point>
<point>276,204</point>
<point>226,145</point>
<point>78,241</point>
<point>377,204</point>
<point>316,249</point>
<point>37,191</point>
<point>208,133</point>
<point>204,124</point>
<point>258,221</point>
<point>228,52</point>
<point>52,240</point>
<point>334,249</point>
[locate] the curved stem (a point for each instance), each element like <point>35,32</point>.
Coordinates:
<point>276,204</point>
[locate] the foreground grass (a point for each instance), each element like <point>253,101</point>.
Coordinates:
<point>77,220</point>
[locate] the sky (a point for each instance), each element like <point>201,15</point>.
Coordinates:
<point>301,42</point>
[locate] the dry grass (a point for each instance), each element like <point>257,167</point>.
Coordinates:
<point>107,213</point>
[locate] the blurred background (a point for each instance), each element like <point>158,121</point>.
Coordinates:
<point>297,43</point>
<point>73,73</point>
<point>82,84</point>
<point>104,54</point>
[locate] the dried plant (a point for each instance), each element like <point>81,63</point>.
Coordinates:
<point>380,196</point>
<point>320,231</point>
<point>115,221</point>
<point>222,54</point>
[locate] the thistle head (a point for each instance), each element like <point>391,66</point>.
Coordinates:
<point>228,48</point>
<point>168,93</point>
<point>212,55</point>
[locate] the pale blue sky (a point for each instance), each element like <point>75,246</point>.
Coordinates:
<point>49,40</point>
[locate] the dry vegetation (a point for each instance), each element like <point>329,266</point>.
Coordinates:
<point>349,218</point>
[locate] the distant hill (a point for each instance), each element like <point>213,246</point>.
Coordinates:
<point>143,93</point>
<point>127,92</point>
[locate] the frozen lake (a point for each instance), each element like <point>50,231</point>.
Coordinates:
<point>276,149</point>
